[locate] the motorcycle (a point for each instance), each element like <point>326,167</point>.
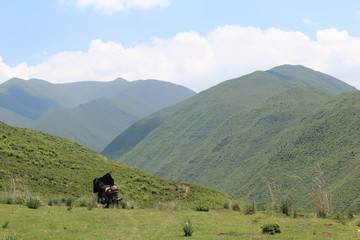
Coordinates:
<point>107,192</point>
<point>110,195</point>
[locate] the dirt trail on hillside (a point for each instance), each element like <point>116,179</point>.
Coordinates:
<point>186,188</point>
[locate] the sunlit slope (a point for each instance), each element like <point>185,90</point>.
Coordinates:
<point>49,165</point>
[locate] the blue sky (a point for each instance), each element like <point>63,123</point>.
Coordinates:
<point>195,43</point>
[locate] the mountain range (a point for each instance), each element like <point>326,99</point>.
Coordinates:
<point>91,113</point>
<point>263,132</point>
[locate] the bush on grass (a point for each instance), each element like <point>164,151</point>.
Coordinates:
<point>69,204</point>
<point>202,208</point>
<point>350,214</point>
<point>249,209</point>
<point>188,229</point>
<point>286,205</point>
<point>32,202</point>
<point>270,229</point>
<point>5,224</point>
<point>235,206</point>
<point>84,201</point>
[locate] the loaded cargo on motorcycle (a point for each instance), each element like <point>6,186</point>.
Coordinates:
<point>107,192</point>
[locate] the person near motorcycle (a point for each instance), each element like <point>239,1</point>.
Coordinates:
<point>100,183</point>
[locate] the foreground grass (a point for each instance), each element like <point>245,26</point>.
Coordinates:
<point>20,222</point>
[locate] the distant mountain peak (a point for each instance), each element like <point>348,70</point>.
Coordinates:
<point>120,80</point>
<point>305,76</point>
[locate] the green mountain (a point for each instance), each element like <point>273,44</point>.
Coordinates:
<point>91,113</point>
<point>309,78</point>
<point>196,117</point>
<point>227,137</point>
<point>328,136</point>
<point>17,99</point>
<point>48,165</point>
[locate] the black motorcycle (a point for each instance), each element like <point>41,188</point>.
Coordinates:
<point>107,192</point>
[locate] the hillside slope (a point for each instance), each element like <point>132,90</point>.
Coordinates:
<point>49,165</point>
<point>190,122</point>
<point>330,137</point>
<point>229,146</point>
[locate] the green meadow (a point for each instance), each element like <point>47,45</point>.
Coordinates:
<point>57,222</point>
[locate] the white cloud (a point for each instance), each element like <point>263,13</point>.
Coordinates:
<point>6,72</point>
<point>111,6</point>
<point>199,62</point>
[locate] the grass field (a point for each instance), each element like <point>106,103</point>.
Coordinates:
<point>20,222</point>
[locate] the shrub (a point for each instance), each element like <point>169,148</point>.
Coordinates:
<point>338,216</point>
<point>226,205</point>
<point>202,208</point>
<point>270,229</point>
<point>350,214</point>
<point>6,200</point>
<point>321,211</point>
<point>56,201</point>
<point>235,207</point>
<point>32,202</point>
<point>5,224</point>
<point>249,209</point>
<point>286,205</point>
<point>69,204</point>
<point>84,201</point>
<point>188,229</point>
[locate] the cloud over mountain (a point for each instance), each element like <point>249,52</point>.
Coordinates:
<point>199,62</point>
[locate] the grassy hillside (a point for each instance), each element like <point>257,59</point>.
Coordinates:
<point>235,148</point>
<point>230,137</point>
<point>47,165</point>
<point>329,137</point>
